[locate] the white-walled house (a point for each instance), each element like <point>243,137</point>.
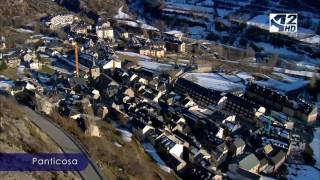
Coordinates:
<point>112,64</point>
<point>238,146</point>
<point>35,65</point>
<point>61,21</point>
<point>105,31</point>
<point>177,150</point>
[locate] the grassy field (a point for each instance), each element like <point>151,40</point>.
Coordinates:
<point>10,73</point>
<point>46,69</point>
<point>123,57</point>
<point>127,162</point>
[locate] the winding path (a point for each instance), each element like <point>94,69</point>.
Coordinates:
<point>67,143</point>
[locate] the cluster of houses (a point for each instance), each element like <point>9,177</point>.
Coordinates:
<point>198,132</point>
<point>142,40</point>
<point>157,45</point>
<point>192,129</point>
<point>169,42</point>
<point>276,101</point>
<point>59,21</point>
<point>24,58</point>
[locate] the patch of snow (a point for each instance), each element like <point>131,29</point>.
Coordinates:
<point>230,77</point>
<point>153,153</point>
<point>214,81</point>
<point>315,39</point>
<point>285,53</point>
<point>22,30</point>
<point>138,23</point>
<point>155,66</point>
<point>285,85</point>
<point>6,85</point>
<point>129,23</point>
<point>143,25</point>
<point>47,38</point>
<point>126,135</point>
<point>2,78</point>
<point>117,144</point>
<point>36,36</point>
<point>297,73</point>
<point>174,32</point>
<point>44,56</point>
<point>262,19</point>
<point>245,76</point>
<point>166,168</point>
<point>122,15</point>
<point>298,172</point>
<point>286,78</point>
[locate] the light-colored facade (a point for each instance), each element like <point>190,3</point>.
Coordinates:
<point>250,163</point>
<point>159,53</point>
<point>61,21</point>
<point>112,64</point>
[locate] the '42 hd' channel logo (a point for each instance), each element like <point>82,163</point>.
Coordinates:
<point>283,22</point>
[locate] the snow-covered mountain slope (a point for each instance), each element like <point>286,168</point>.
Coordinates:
<point>238,22</point>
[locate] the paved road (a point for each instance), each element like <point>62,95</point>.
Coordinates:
<point>66,143</point>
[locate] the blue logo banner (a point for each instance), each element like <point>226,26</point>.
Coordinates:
<point>43,162</point>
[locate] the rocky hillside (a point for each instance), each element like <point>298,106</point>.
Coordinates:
<point>21,12</point>
<point>19,135</point>
<point>92,8</point>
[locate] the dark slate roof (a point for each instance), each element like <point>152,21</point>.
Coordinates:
<point>248,174</point>
<point>212,94</point>
<point>144,73</point>
<point>138,123</point>
<point>190,116</point>
<point>267,92</point>
<point>189,139</point>
<point>277,97</point>
<point>102,82</point>
<point>87,60</point>
<point>215,140</point>
<point>75,81</point>
<point>201,173</point>
<point>241,102</point>
<point>218,116</point>
<point>149,95</point>
<point>171,160</point>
